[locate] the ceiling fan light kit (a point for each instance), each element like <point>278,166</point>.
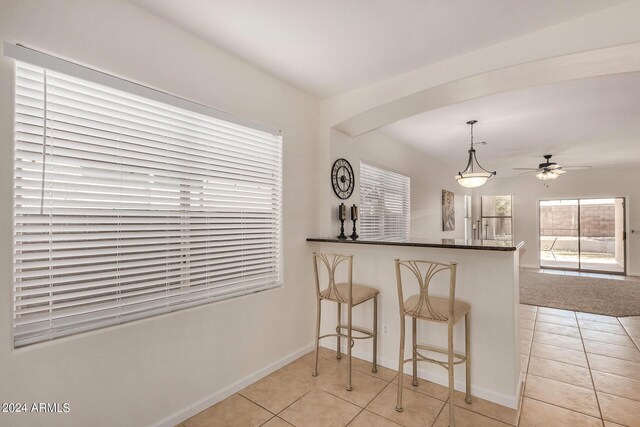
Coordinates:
<point>473,175</point>
<point>546,176</point>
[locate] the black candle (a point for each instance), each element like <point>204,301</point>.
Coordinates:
<point>342,212</point>
<point>354,213</point>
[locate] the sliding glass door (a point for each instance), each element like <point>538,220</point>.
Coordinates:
<point>602,235</point>
<point>583,234</point>
<point>559,234</point>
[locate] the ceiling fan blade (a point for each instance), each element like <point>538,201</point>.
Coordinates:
<point>554,166</point>
<point>559,171</point>
<point>525,169</point>
<point>531,171</point>
<point>576,167</point>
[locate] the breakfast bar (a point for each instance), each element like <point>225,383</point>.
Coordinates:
<point>487,279</point>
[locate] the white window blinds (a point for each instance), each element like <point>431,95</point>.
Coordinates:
<point>126,207</point>
<point>384,203</point>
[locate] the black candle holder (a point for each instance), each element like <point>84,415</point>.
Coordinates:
<point>354,235</point>
<point>342,215</point>
<point>342,235</point>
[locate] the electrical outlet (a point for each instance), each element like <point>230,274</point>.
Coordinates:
<point>385,329</point>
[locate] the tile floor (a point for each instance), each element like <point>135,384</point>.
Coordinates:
<point>582,370</point>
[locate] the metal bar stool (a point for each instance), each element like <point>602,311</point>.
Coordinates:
<point>344,293</point>
<point>433,309</point>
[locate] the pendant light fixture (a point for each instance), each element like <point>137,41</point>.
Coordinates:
<point>474,175</point>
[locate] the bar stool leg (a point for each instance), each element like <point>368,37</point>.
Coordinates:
<point>338,331</point>
<point>400,365</point>
<point>375,334</point>
<point>349,332</point>
<point>315,365</point>
<point>452,421</point>
<point>414,339</point>
<point>467,348</point>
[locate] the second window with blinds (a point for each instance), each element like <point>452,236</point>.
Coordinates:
<point>384,203</point>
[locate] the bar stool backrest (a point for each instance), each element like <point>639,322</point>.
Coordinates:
<point>332,262</point>
<point>424,271</point>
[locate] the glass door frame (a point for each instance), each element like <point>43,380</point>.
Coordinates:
<point>580,269</point>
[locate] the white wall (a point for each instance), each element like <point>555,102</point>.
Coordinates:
<point>620,181</point>
<point>140,373</point>
<point>616,26</point>
<point>428,179</point>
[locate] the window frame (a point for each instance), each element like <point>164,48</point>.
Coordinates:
<point>468,217</point>
<point>483,217</point>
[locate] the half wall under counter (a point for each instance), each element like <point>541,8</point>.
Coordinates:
<point>487,278</point>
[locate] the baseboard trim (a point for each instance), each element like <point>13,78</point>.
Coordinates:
<point>529,266</point>
<point>191,410</point>
<point>481,392</point>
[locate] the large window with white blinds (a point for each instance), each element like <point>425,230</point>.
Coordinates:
<point>384,203</point>
<point>126,207</point>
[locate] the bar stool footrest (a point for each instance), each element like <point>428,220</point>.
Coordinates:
<point>369,333</point>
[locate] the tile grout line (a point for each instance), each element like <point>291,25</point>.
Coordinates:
<point>289,405</point>
<point>239,393</point>
<point>554,360</point>
<point>526,374</point>
<point>566,409</point>
<point>415,391</point>
<point>393,380</point>
<point>595,392</point>
<point>375,413</point>
<point>558,361</point>
<point>363,408</point>
<point>275,416</point>
<point>564,382</point>
<point>628,334</point>
<point>614,345</point>
<point>614,394</point>
<point>257,404</point>
<point>588,367</point>
<point>440,412</point>
<point>369,403</point>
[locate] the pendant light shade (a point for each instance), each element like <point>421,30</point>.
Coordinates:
<point>473,180</point>
<point>473,175</point>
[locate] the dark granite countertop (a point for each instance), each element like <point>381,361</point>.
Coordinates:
<point>484,245</point>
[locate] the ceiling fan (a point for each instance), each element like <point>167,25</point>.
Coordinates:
<point>549,170</point>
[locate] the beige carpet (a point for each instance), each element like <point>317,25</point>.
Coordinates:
<point>602,296</point>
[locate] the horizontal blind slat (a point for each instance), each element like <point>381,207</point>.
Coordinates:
<point>126,207</point>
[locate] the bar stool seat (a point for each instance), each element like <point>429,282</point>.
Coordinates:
<point>415,307</point>
<point>361,293</point>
